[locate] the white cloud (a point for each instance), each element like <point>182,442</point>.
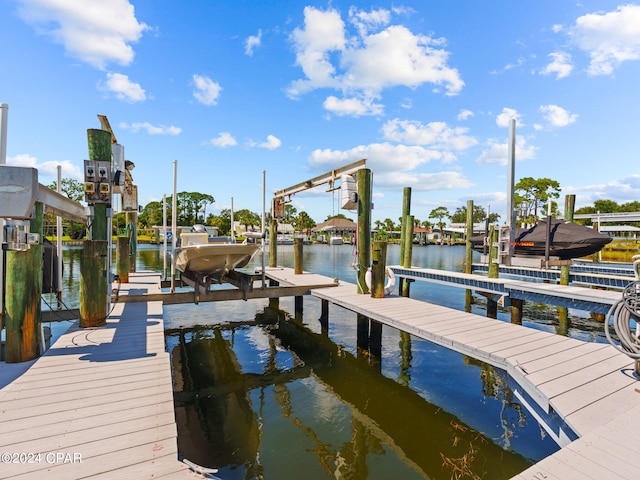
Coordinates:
<point>437,134</point>
<point>625,190</point>
<point>609,38</point>
<point>95,32</point>
<point>423,182</point>
<point>48,168</point>
<point>497,153</point>
<point>381,157</point>
<point>557,116</point>
<point>504,118</point>
<point>272,143</point>
<point>464,114</point>
<point>123,88</point>
<point>207,91</point>
<point>355,107</point>
<point>366,21</point>
<point>252,43</point>
<point>151,129</point>
<point>362,64</point>
<point>560,65</point>
<point>224,139</point>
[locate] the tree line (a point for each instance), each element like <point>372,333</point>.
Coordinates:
<point>532,198</point>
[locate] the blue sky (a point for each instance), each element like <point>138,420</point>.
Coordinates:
<point>423,90</point>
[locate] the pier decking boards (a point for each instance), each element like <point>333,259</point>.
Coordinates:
<point>98,404</point>
<point>590,386</point>
<point>570,296</point>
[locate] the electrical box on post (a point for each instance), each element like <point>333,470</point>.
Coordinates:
<point>97,182</point>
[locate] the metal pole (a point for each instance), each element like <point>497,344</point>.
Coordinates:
<point>59,242</point>
<point>164,241</point>
<point>4,118</point>
<point>233,230</point>
<point>510,186</point>
<point>174,239</point>
<point>264,192</point>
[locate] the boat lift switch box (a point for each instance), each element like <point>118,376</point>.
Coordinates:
<point>18,191</point>
<point>97,182</point>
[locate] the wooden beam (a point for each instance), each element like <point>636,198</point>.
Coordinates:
<point>219,295</point>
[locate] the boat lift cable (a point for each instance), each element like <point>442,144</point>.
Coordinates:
<point>626,321</point>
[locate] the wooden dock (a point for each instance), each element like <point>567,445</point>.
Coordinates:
<point>570,296</point>
<point>98,404</point>
<point>591,387</point>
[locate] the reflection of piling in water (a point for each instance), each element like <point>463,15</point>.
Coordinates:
<point>213,430</point>
<point>417,430</point>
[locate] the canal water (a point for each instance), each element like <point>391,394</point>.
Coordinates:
<point>263,393</point>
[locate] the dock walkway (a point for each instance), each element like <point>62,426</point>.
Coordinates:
<point>98,404</point>
<point>590,386</point>
<point>570,296</point>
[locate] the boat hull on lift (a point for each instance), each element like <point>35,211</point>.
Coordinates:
<point>216,259</point>
<point>568,240</point>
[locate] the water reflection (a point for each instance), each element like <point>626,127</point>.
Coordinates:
<point>272,396</point>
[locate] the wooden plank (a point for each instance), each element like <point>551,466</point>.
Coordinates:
<point>577,371</point>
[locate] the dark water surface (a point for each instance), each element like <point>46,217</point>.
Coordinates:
<point>260,393</point>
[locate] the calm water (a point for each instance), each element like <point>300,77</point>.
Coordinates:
<point>262,394</point>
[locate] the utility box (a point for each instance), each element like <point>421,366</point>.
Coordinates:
<point>97,182</point>
<point>18,191</point>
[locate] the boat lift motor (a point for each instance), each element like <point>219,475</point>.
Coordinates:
<point>18,191</point>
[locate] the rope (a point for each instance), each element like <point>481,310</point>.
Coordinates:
<point>624,313</point>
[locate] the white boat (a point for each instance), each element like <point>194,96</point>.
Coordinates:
<point>336,240</point>
<point>197,254</point>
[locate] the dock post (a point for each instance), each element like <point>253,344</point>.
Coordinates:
<point>93,283</point>
<point>517,305</point>
<point>324,316</point>
<point>94,268</point>
<point>362,341</point>
<point>273,243</point>
<point>132,231</point>
<point>23,289</point>
<point>375,341</point>
<point>122,259</point>
<point>298,307</point>
<point>408,253</point>
<point>406,211</point>
<point>405,358</point>
<point>297,256</point>
<point>378,267</point>
<point>468,299</point>
<point>569,205</point>
<point>494,270</point>
<point>364,227</point>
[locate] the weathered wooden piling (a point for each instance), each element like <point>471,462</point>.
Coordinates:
<point>569,205</point>
<point>406,211</point>
<point>23,289</point>
<point>378,267</point>
<point>298,263</point>
<point>468,259</point>
<point>364,227</point>
<point>273,242</point>
<point>93,261</point>
<point>494,269</point>
<point>123,259</point>
<point>408,253</point>
<point>93,283</point>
